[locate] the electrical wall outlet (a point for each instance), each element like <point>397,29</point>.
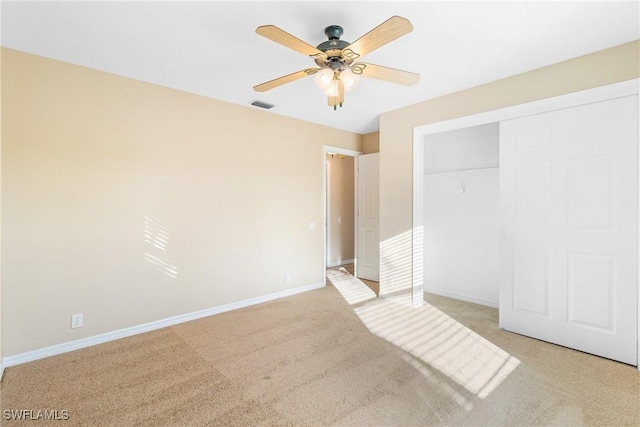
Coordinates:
<point>76,320</point>
<point>287,278</point>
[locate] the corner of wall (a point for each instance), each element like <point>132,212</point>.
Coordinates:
<point>371,143</point>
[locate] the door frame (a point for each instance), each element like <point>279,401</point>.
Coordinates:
<point>326,149</point>
<point>602,93</point>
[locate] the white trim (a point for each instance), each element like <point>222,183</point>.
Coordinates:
<point>474,300</point>
<point>327,166</point>
<point>602,93</point>
<point>1,370</point>
<point>638,225</point>
<point>417,235</point>
<point>151,326</point>
<point>356,220</point>
<point>337,150</point>
<point>341,262</point>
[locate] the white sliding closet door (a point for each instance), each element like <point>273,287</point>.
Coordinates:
<point>568,196</point>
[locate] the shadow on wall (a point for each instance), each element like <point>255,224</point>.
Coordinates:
<point>157,237</point>
<point>395,263</point>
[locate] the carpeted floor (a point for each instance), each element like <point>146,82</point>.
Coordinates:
<point>316,358</point>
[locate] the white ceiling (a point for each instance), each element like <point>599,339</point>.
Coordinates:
<point>210,48</point>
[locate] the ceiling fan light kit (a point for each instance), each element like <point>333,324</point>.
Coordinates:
<point>349,79</point>
<point>336,71</point>
<point>324,78</point>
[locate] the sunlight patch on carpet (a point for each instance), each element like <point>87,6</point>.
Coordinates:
<point>351,288</point>
<point>441,342</point>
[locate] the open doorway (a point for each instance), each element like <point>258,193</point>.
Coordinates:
<point>340,213</point>
<point>342,200</point>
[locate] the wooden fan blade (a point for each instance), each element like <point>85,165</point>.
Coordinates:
<point>385,73</point>
<point>284,79</point>
<point>280,36</point>
<point>339,99</point>
<point>388,31</point>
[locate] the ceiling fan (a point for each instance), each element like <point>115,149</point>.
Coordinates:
<point>337,70</point>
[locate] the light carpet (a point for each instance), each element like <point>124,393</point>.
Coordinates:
<point>316,359</point>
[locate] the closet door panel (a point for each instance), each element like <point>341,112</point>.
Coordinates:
<point>568,206</point>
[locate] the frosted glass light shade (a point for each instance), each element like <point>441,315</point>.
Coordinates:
<point>324,78</point>
<point>349,79</point>
<point>333,89</point>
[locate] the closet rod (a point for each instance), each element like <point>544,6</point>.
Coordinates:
<point>462,170</point>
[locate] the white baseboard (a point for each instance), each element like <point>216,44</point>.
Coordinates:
<point>53,350</point>
<point>466,298</point>
<point>343,262</point>
<point>1,370</point>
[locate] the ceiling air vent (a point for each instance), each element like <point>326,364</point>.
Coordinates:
<point>261,104</point>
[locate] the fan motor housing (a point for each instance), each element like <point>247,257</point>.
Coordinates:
<point>333,48</point>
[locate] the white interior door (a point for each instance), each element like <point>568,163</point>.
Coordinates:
<point>568,201</point>
<point>368,263</point>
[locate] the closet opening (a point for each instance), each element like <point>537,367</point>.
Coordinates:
<point>461,214</point>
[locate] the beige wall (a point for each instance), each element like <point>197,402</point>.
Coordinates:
<point>371,143</point>
<point>396,137</point>
<point>130,202</point>
<point>1,353</point>
<point>341,203</point>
